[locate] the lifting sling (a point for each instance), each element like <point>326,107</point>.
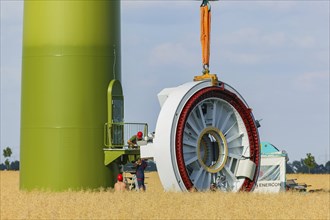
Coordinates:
<point>205,13</point>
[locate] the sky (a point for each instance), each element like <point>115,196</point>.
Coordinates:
<point>274,53</point>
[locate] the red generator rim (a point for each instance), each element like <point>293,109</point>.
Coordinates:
<point>244,112</point>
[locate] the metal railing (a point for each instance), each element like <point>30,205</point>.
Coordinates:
<point>116,135</point>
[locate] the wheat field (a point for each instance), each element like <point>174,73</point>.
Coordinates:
<point>157,204</point>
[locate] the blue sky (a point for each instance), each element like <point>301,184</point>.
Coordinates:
<point>274,53</point>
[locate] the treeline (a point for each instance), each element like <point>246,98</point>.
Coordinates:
<point>306,165</point>
<point>128,167</point>
<point>301,167</point>
<point>11,166</point>
<point>291,167</point>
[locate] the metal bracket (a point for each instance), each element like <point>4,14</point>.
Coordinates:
<point>111,155</point>
<point>207,75</point>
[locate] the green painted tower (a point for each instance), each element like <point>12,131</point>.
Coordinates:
<point>71,52</point>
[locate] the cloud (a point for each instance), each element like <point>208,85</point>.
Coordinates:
<point>171,54</point>
<point>276,6</point>
<point>10,109</point>
<point>312,80</point>
<point>304,41</point>
<point>283,6</point>
<point>249,36</point>
<point>249,46</point>
<point>242,36</point>
<point>240,57</point>
<point>274,39</point>
<point>275,53</point>
<point>11,35</point>
<point>159,13</point>
<point>10,10</point>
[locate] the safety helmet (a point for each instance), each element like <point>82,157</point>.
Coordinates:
<point>120,177</point>
<point>139,135</point>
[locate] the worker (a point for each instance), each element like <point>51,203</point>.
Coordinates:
<point>140,165</point>
<point>193,189</point>
<point>120,185</point>
<point>213,187</point>
<point>132,142</point>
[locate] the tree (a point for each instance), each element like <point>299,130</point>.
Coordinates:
<point>2,167</point>
<point>319,168</point>
<point>289,168</point>
<point>327,167</point>
<point>7,153</point>
<point>14,165</point>
<point>309,161</point>
<point>298,166</point>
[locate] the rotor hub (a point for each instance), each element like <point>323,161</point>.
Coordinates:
<point>212,150</point>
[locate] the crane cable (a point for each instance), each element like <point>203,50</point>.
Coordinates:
<point>205,25</point>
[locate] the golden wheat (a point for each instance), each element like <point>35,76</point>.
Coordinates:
<point>317,181</point>
<point>156,204</point>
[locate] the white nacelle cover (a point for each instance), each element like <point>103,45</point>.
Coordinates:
<point>272,174</point>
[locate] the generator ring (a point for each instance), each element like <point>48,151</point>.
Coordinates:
<point>204,132</point>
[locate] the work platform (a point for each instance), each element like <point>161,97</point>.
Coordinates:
<point>112,154</point>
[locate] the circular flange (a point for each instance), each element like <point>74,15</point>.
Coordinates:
<point>212,154</point>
